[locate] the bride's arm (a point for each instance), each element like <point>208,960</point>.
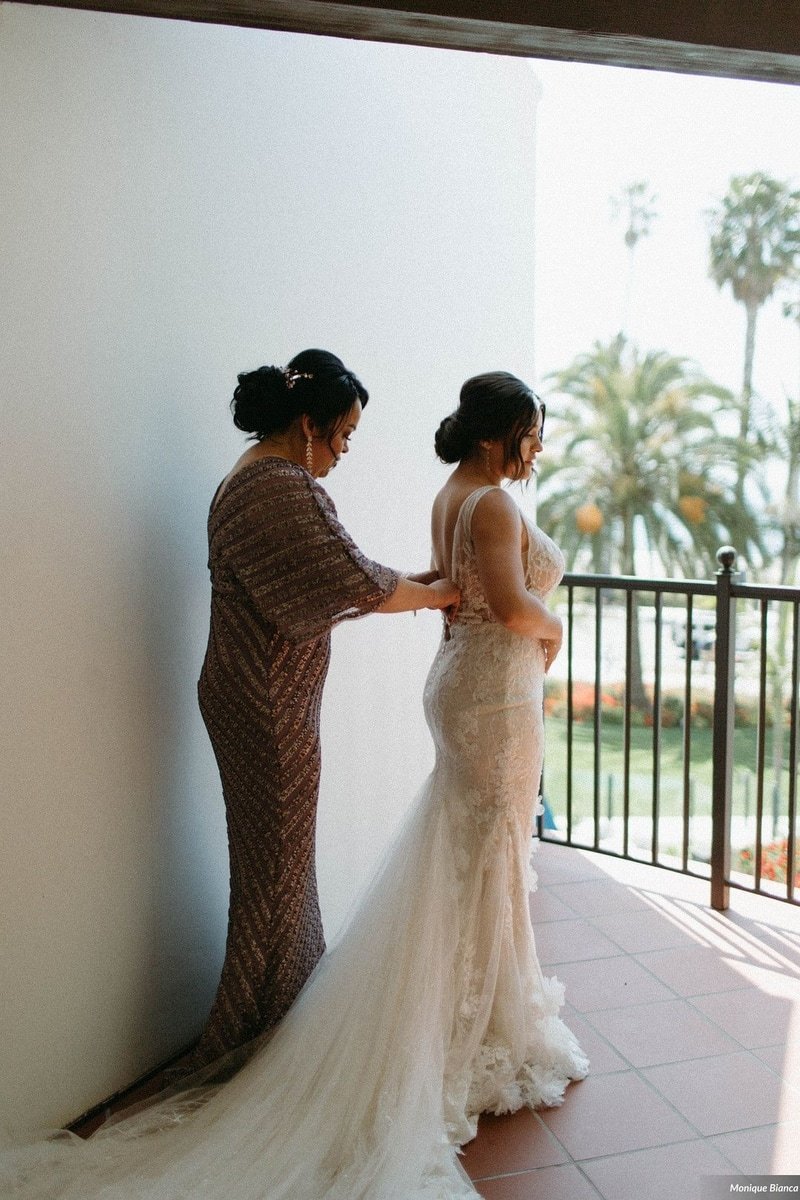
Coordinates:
<point>497,537</point>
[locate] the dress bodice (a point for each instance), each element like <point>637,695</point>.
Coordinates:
<point>543,568</point>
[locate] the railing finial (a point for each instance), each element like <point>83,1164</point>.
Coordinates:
<point>726,557</point>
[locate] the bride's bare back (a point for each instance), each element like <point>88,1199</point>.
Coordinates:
<point>444,515</point>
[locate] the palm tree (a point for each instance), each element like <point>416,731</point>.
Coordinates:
<point>635,205</point>
<point>755,243</point>
<point>639,461</point>
<point>784,445</point>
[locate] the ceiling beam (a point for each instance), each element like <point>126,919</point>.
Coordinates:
<point>755,39</point>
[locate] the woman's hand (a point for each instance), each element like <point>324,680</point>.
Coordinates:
<point>436,583</point>
<point>445,595</point>
<point>410,595</point>
<point>424,576</point>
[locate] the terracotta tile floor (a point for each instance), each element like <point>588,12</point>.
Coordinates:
<point>691,1019</point>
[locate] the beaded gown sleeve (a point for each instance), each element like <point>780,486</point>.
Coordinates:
<point>283,573</point>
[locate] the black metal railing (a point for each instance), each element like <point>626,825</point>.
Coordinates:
<point>697,711</point>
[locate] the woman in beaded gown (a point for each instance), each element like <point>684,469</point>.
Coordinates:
<point>431,1008</point>
<point>283,572</point>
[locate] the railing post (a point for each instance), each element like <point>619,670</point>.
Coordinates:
<point>722,738</point>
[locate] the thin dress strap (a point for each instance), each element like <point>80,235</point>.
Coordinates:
<point>463,526</point>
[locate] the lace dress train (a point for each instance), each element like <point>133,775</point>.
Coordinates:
<point>430,1009</point>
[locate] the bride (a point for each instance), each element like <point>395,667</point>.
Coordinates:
<point>432,1007</point>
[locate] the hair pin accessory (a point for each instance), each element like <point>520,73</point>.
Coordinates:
<point>292,377</point>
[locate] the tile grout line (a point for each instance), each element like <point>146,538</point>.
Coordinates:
<point>689,1000</point>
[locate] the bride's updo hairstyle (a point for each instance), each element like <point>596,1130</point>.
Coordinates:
<point>315,383</point>
<point>492,407</point>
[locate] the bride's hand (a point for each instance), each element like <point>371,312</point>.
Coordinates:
<point>552,645</point>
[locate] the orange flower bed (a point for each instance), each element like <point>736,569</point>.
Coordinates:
<point>774,862</point>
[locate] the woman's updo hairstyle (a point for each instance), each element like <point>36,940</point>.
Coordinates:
<point>492,407</point>
<point>315,383</point>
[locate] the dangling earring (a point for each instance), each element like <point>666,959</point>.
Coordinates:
<point>486,464</point>
<point>309,456</point>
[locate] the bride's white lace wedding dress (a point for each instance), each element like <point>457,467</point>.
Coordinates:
<point>432,1007</point>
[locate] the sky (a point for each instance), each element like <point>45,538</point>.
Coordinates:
<point>602,128</point>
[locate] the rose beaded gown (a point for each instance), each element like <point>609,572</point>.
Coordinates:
<point>432,1006</point>
<point>283,572</point>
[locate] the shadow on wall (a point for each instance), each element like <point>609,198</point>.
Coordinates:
<point>115,868</point>
<point>188,887</point>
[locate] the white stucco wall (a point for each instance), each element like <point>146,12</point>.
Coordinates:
<point>182,202</point>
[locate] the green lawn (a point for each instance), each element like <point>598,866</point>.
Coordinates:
<point>641,770</point>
